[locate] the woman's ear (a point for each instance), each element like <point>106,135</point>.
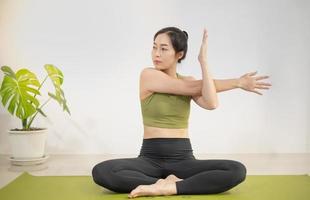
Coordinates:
<point>180,55</point>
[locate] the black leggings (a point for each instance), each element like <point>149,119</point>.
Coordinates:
<point>160,157</point>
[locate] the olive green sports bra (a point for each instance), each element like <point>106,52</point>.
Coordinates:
<point>166,110</point>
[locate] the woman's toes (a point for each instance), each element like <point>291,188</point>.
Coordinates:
<point>160,181</point>
<point>161,187</point>
<point>135,192</point>
<point>143,190</point>
<point>174,178</point>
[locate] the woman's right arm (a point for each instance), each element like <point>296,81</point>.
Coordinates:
<point>154,80</point>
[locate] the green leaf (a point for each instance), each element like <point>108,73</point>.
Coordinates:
<point>8,71</point>
<point>65,107</point>
<point>24,76</point>
<point>41,112</point>
<point>29,89</point>
<point>54,97</point>
<point>18,90</point>
<point>55,74</point>
<point>12,105</point>
<point>57,79</point>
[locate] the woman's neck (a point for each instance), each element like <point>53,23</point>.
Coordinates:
<point>171,71</point>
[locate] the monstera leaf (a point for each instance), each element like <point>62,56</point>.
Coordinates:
<point>18,91</point>
<point>57,79</point>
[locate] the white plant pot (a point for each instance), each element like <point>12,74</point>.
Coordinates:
<point>28,144</point>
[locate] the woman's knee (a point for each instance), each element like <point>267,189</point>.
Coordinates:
<point>105,174</point>
<point>239,171</point>
<point>97,172</point>
<point>102,173</point>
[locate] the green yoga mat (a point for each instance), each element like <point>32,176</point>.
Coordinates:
<point>273,187</point>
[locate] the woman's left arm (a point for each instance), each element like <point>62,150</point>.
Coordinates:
<point>247,82</point>
<point>208,98</point>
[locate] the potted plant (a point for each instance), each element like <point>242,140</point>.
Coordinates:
<point>19,93</point>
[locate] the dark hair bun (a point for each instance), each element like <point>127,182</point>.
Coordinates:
<point>185,34</point>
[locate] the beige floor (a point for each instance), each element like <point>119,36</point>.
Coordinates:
<point>72,165</point>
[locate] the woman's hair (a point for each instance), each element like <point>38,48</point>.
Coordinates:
<point>178,39</point>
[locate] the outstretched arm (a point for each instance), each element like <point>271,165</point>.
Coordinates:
<point>226,84</point>
<point>247,82</point>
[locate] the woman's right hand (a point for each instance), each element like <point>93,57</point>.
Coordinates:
<point>251,83</point>
<point>202,57</point>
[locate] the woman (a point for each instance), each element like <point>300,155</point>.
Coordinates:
<point>166,164</point>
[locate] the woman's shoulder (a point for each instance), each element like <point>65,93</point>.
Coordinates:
<point>148,70</point>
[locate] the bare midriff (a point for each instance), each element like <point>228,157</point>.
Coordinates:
<point>155,132</point>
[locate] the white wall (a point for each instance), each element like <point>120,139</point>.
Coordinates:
<point>101,47</point>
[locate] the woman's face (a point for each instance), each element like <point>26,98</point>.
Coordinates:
<point>163,54</point>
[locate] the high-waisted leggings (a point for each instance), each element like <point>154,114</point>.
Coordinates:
<point>160,157</point>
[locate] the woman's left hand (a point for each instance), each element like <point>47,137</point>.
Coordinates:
<point>250,83</point>
<point>202,57</point>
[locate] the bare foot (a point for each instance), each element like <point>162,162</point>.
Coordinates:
<point>161,187</point>
<point>173,178</point>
